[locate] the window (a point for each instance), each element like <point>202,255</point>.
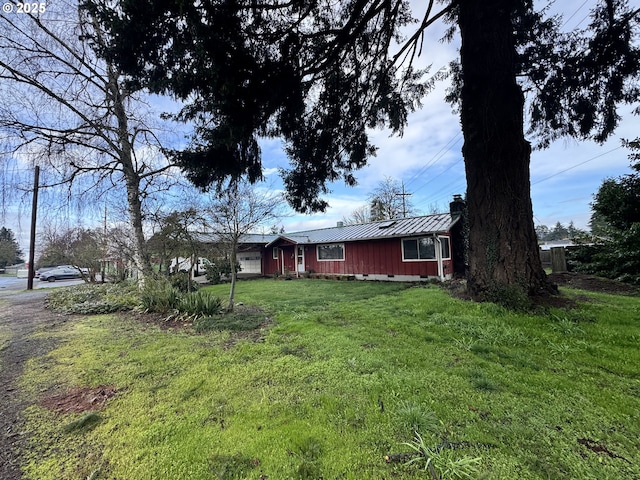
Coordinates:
<point>446,250</point>
<point>424,248</point>
<point>333,251</point>
<point>418,249</point>
<point>274,255</point>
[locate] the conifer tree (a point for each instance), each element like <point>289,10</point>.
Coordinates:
<point>10,253</point>
<point>320,74</point>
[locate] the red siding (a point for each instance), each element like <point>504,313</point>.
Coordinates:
<point>269,264</point>
<point>374,257</point>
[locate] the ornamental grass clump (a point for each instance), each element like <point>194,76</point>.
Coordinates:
<point>439,465</point>
<point>158,296</point>
<point>200,304</point>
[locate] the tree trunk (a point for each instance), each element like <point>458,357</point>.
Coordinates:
<point>503,249</point>
<point>234,276</point>
<point>131,176</point>
<point>141,259</point>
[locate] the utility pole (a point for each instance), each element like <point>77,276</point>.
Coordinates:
<point>404,195</point>
<point>32,239</point>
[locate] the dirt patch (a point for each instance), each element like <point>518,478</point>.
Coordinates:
<point>79,399</point>
<point>21,315</point>
<point>592,283</point>
<point>599,448</point>
<point>163,321</point>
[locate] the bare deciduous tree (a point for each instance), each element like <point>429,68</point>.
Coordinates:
<point>65,108</point>
<point>238,210</point>
<point>360,215</point>
<point>388,200</point>
<point>79,247</point>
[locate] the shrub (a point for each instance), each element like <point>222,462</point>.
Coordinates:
<point>182,282</point>
<point>617,257</point>
<point>95,298</point>
<point>200,304</point>
<point>218,268</point>
<point>159,296</point>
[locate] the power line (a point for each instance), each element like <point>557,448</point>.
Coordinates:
<point>404,195</point>
<point>574,14</point>
<point>435,158</point>
<point>575,166</point>
<point>451,188</point>
<point>439,175</point>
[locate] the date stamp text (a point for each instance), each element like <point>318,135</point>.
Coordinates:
<point>28,8</point>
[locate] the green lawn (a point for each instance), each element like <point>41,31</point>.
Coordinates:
<point>343,375</point>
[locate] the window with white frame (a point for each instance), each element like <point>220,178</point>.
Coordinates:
<point>445,247</point>
<point>274,253</point>
<point>424,248</point>
<point>333,251</point>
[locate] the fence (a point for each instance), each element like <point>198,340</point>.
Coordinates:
<point>555,258</point>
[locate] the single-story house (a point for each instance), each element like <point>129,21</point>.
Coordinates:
<point>403,249</point>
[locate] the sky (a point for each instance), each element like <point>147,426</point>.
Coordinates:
<point>427,158</point>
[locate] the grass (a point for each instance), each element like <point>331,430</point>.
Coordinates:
<point>346,374</point>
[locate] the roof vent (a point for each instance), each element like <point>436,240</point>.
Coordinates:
<point>340,224</point>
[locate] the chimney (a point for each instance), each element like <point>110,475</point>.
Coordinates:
<point>459,241</point>
<point>457,206</point>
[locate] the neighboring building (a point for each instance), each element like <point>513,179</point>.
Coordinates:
<point>548,245</point>
<point>250,255</point>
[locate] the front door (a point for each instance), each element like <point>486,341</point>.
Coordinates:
<point>300,258</point>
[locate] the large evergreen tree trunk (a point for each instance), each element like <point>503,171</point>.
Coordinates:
<point>503,250</point>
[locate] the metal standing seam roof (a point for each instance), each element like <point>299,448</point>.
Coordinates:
<point>247,238</point>
<point>400,227</point>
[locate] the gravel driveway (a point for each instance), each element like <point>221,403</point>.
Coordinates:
<point>21,314</point>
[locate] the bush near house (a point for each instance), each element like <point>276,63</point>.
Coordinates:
<point>218,268</point>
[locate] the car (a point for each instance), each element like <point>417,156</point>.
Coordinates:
<point>60,273</point>
<point>84,270</point>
